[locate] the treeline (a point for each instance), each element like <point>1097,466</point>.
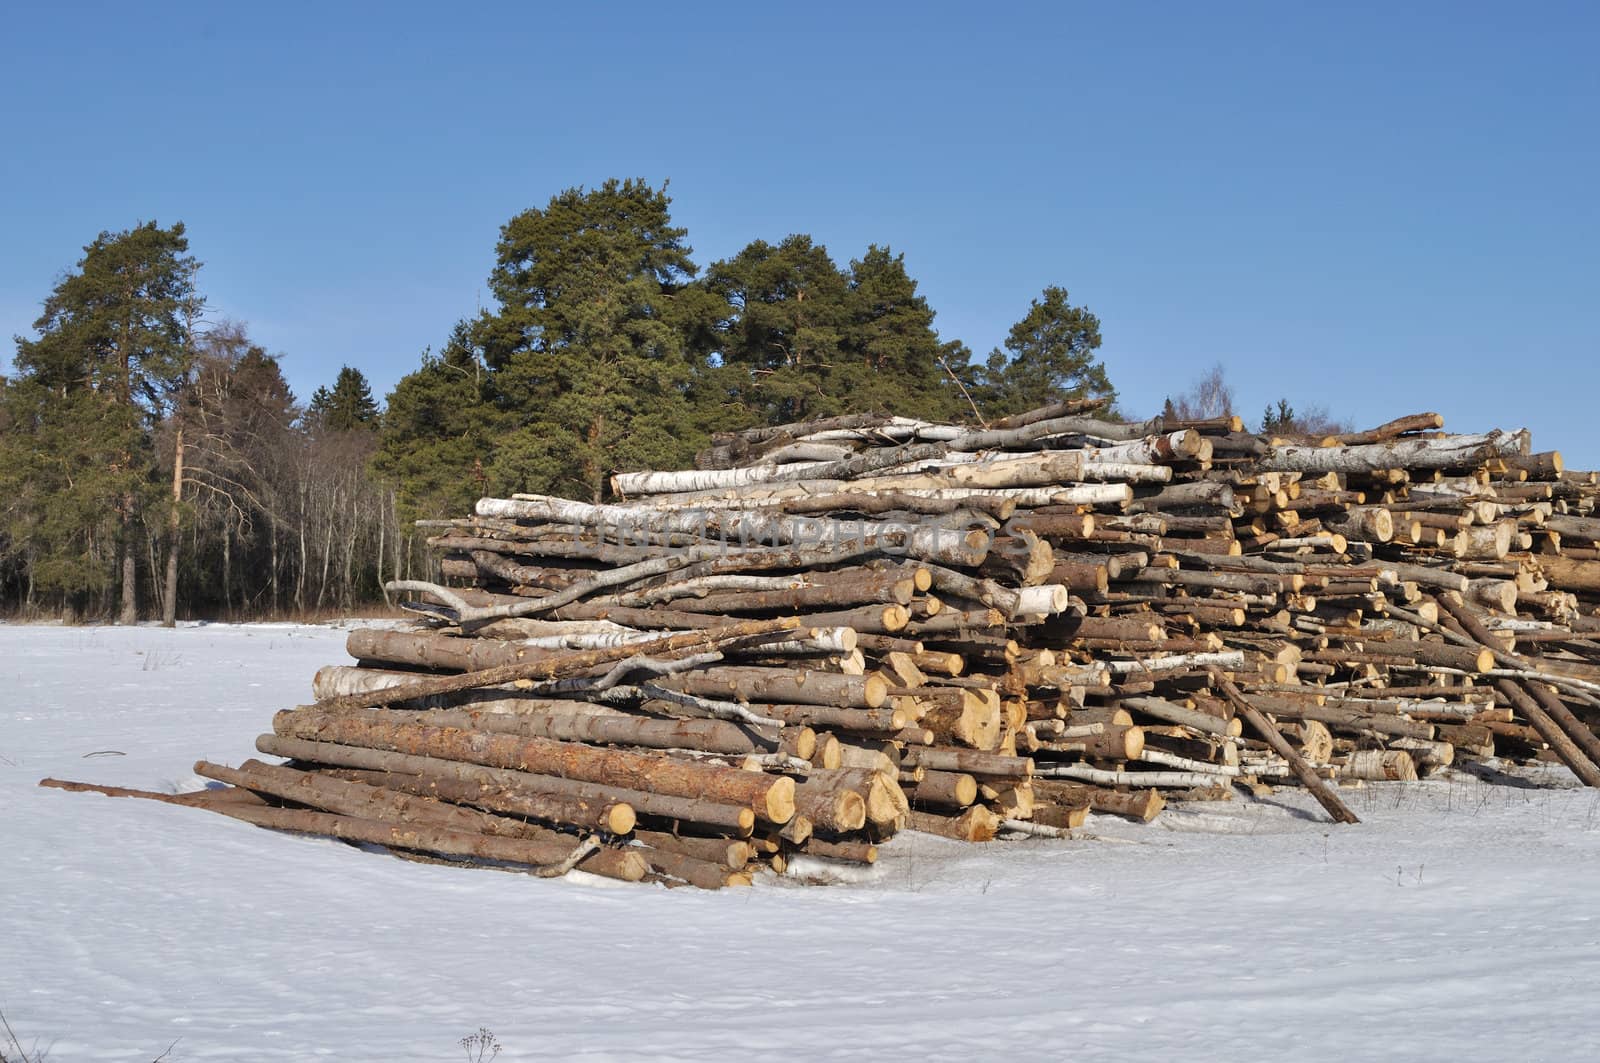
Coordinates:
<point>155,463</point>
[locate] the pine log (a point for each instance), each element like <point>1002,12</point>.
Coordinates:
<point>712,736</point>
<point>362,800</point>
<point>795,687</point>
<point>970,761</point>
<point>545,849</point>
<point>1168,712</point>
<point>703,874</point>
<point>1061,816</point>
<point>829,806</point>
<point>1264,727</point>
<point>515,792</point>
<point>944,789</point>
<point>732,854</point>
<point>1143,805</point>
<point>1476,660</point>
<point>613,817</point>
<point>1568,575</point>
<point>851,851</point>
<point>1415,422</point>
<point>771,797</point>
<point>1567,750</point>
<point>562,665</point>
<point>886,590</point>
<point>976,824</point>
<point>206,799</point>
<point>1112,743</point>
<point>441,652</point>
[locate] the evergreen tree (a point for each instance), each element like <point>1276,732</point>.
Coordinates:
<point>1051,357</point>
<point>63,478</point>
<point>347,407</point>
<point>112,351</point>
<point>438,430</point>
<point>787,310</point>
<point>891,334</point>
<point>1279,418</point>
<point>590,363</point>
<point>800,338</point>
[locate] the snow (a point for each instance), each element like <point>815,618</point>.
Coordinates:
<point>1457,922</point>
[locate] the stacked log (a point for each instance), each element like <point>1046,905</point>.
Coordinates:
<point>829,632</point>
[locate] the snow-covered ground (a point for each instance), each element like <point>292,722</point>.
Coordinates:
<point>1459,921</point>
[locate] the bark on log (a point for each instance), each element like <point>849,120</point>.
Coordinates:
<point>1168,712</point>
<point>1415,422</point>
<point>1303,771</point>
<point>1559,741</point>
<point>976,824</point>
<point>1448,452</point>
<point>560,665</point>
<point>712,736</point>
<point>932,542</point>
<point>613,817</point>
<point>1143,805</point>
<point>853,852</point>
<point>516,792</point>
<point>770,797</point>
<point>829,806</point>
<point>797,687</point>
<point>1568,575</point>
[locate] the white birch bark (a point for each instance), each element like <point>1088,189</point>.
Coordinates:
<point>1440,453</point>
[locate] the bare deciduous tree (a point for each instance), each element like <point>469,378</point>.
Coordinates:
<point>1208,397</point>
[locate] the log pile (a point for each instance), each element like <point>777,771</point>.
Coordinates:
<point>829,632</point>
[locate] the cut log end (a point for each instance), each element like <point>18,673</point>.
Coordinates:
<point>778,802</point>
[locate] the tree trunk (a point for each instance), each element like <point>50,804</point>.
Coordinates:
<point>300,575</point>
<point>130,570</point>
<point>169,602</point>
<point>272,549</point>
<point>383,528</point>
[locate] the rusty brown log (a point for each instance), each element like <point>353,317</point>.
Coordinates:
<point>771,797</point>
<point>568,801</point>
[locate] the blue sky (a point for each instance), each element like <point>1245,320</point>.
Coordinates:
<point>1377,207</point>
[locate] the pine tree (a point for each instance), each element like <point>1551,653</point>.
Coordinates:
<point>438,430</point>
<point>348,407</point>
<point>891,334</point>
<point>112,352</point>
<point>787,308</point>
<point>800,338</point>
<point>591,365</point>
<point>1051,357</point>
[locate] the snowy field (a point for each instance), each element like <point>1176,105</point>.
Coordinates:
<point>1459,921</point>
